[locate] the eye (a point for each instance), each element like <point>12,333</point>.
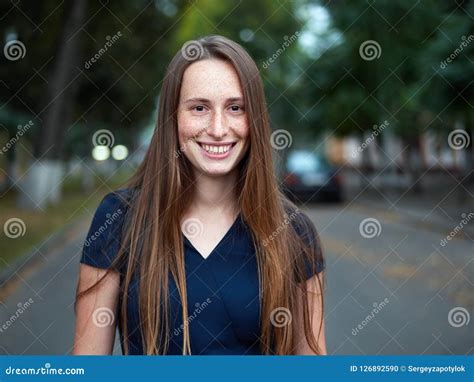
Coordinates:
<point>236,108</point>
<point>199,108</point>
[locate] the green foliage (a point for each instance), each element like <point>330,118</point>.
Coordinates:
<point>405,84</point>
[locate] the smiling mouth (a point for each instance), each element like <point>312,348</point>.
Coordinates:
<point>217,149</point>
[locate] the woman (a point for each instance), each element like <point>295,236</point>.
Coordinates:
<point>201,253</point>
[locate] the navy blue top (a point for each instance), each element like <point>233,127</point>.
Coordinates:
<point>222,290</point>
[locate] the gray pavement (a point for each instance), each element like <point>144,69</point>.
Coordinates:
<point>42,297</point>
<point>405,264</point>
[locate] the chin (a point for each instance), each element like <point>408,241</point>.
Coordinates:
<point>216,170</point>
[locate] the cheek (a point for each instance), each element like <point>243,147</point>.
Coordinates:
<point>245,134</point>
<point>186,128</point>
<point>242,129</point>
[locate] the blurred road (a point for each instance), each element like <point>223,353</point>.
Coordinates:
<point>392,288</point>
<point>42,297</point>
<point>404,263</point>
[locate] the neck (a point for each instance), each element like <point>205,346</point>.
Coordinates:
<point>215,194</point>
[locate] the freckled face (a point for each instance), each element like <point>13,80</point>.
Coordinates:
<point>212,121</point>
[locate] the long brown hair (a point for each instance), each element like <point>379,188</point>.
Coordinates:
<point>164,184</point>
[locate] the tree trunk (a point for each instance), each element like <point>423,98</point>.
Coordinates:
<point>413,162</point>
<point>42,183</point>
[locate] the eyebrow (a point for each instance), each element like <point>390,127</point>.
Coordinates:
<point>205,100</point>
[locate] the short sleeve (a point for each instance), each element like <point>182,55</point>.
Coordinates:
<point>305,228</point>
<point>103,239</point>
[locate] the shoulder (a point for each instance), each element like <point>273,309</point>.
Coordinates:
<point>310,241</point>
<point>111,211</point>
<point>116,200</point>
<point>104,236</point>
<point>301,223</point>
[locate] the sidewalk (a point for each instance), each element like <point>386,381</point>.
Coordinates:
<point>37,296</point>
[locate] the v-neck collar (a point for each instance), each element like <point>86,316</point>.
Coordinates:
<point>221,241</point>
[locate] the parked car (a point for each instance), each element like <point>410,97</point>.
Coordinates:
<point>308,176</point>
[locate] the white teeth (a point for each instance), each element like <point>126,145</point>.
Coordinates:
<point>216,149</point>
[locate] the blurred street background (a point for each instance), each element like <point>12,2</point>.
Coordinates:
<point>372,112</point>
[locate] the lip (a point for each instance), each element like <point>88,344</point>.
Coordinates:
<point>216,156</point>
<point>216,143</point>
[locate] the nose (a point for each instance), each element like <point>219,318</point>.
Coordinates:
<point>218,127</point>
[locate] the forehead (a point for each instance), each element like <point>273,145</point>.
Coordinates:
<point>212,79</point>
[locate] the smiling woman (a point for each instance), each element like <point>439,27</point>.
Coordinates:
<point>221,114</point>
<point>208,256</point>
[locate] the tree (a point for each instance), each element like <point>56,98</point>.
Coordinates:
<point>104,68</point>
